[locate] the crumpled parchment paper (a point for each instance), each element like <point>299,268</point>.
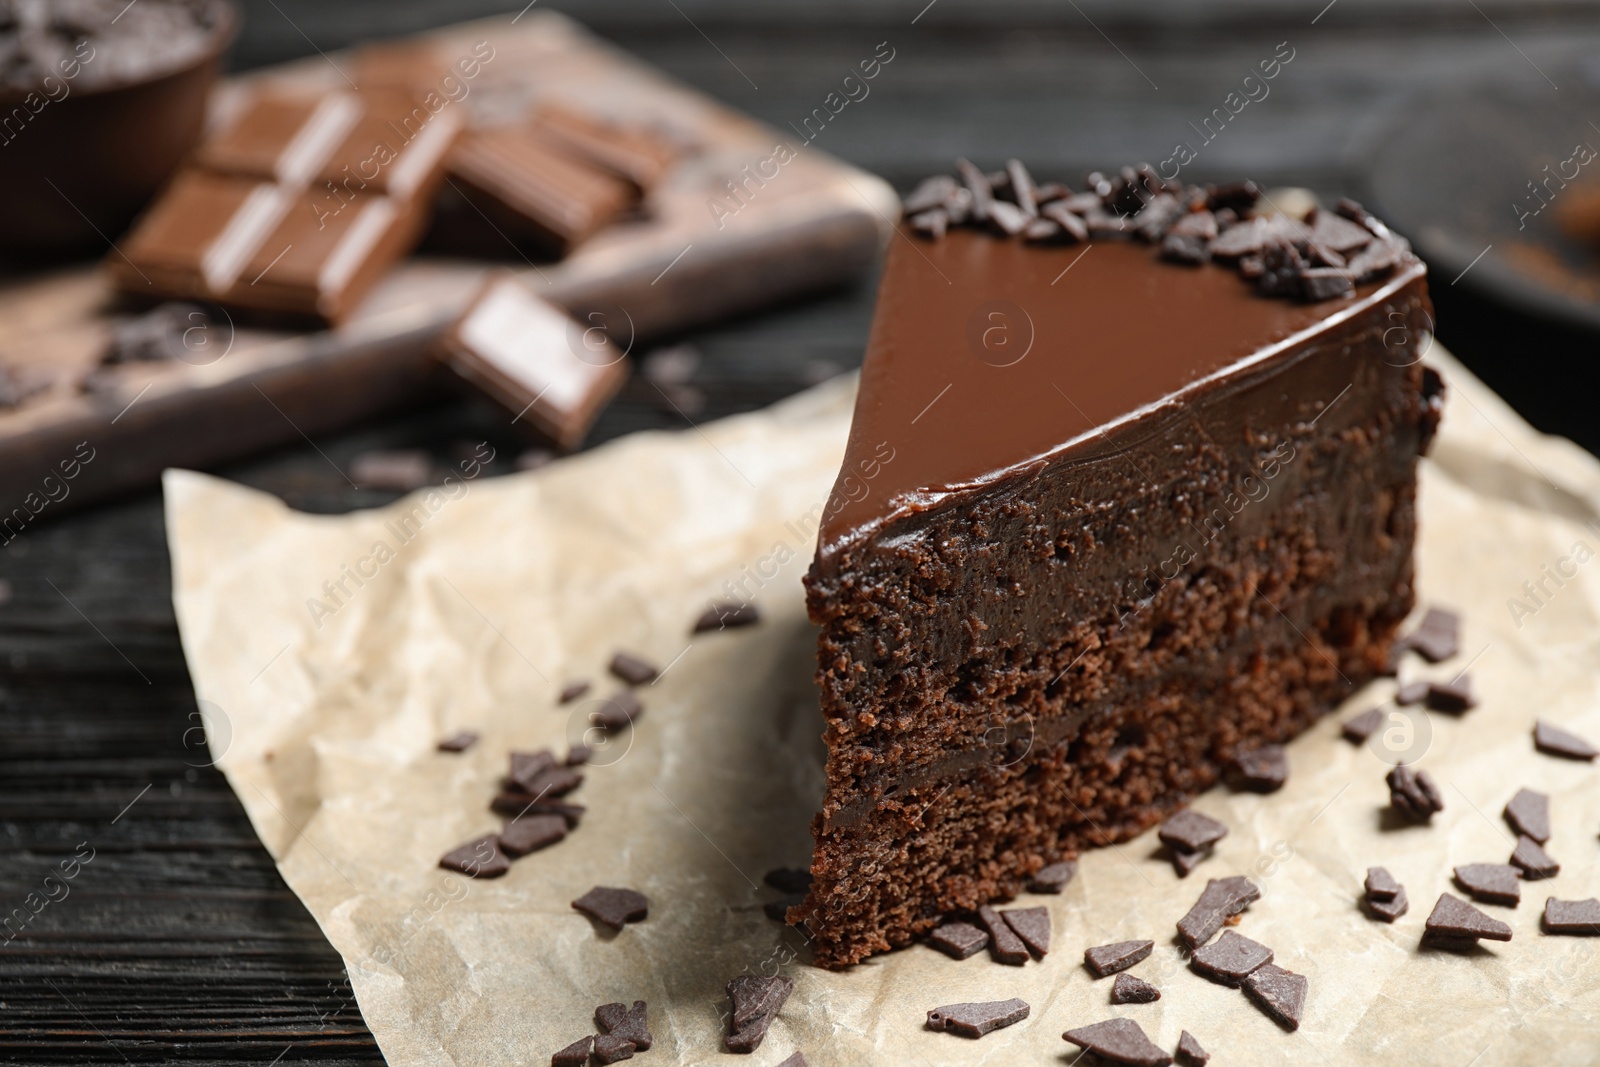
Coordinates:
<point>488,596</point>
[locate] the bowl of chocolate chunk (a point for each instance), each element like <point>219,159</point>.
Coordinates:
<point>99,100</point>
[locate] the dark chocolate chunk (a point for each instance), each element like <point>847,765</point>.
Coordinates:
<point>1072,225</point>
<point>1529,814</point>
<point>1437,636</point>
<point>459,741</point>
<point>1411,693</point>
<point>1043,231</point>
<point>617,711</point>
<point>609,1048</point>
<point>1554,741</point>
<point>578,755</point>
<point>977,186</point>
<point>1004,944</point>
<point>1190,1051</point>
<point>778,910</point>
<point>1032,925</point>
<point>1279,993</point>
<point>632,669</point>
<point>530,833</point>
<point>1022,187</point>
<point>1185,249</point>
<point>1381,884</point>
<point>756,1002</point>
<point>1201,224</point>
<point>1046,192</point>
<point>1534,862</point>
<point>1262,770</point>
<point>1120,1041</point>
<point>1231,958</point>
<point>929,193</point>
<point>932,224</point>
<point>975,1020</point>
<point>1454,696</point>
<point>1081,204</point>
<point>1104,225</point>
<point>1378,258</point>
<point>1235,196</point>
<point>1496,883</point>
<point>724,615</point>
<point>1130,990</point>
<point>572,691</point>
<point>1053,878</point>
<point>1325,283</point>
<point>1350,209</point>
<point>526,767</point>
<point>1161,212</point>
<point>1577,917</point>
<point>1358,728</point>
<point>614,907</point>
<point>575,1054</point>
<point>1007,217</point>
<point>1104,960</point>
<point>1454,920</point>
<point>788,879</point>
<point>1284,268</point>
<point>1190,831</point>
<point>1388,910</point>
<point>1222,898</point>
<point>553,783</point>
<point>1413,793</point>
<point>479,858</point>
<point>1184,862</point>
<point>630,1024</point>
<point>517,804</point>
<point>1332,232</point>
<point>958,940</point>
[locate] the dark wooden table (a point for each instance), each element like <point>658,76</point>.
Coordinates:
<point>178,940</point>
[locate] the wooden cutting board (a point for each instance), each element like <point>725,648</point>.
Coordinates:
<point>812,221</point>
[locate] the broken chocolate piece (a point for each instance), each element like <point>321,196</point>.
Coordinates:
<point>1130,990</point>
<point>1454,696</point>
<point>1554,741</point>
<point>1436,637</point>
<point>723,615</point>
<point>520,804</point>
<point>1222,898</point>
<point>479,858</point>
<point>1184,862</point>
<point>1388,910</point>
<point>529,833</point>
<point>975,1020</point>
<point>1190,831</point>
<point>1004,944</point>
<point>959,940</point>
<point>614,907</point>
<point>929,193</point>
<point>1455,921</point>
<point>788,879</point>
<point>1496,883</point>
<point>1330,231</point>
<point>1072,225</point>
<point>1230,959</point>
<point>1105,960</point>
<point>629,1024</point>
<point>459,741</point>
<point>575,1054</point>
<point>609,1048</point>
<point>572,691</point>
<point>1261,770</point>
<point>1529,814</point>
<point>1358,728</point>
<point>1120,1041</point>
<point>756,1002</point>
<point>1279,993</point>
<point>526,767</point>
<point>1033,926</point>
<point>578,755</point>
<point>1534,862</point>
<point>1580,918</point>
<point>1413,793</point>
<point>550,784</point>
<point>1381,884</point>
<point>632,669</point>
<point>1411,693</point>
<point>1190,1052</point>
<point>617,711</point>
<point>1325,283</point>
<point>1053,878</point>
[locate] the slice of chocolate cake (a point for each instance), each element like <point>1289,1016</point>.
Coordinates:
<point>1130,487</point>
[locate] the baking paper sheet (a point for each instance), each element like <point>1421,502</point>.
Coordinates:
<point>327,667</point>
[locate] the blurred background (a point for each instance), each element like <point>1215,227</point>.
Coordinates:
<point>180,942</point>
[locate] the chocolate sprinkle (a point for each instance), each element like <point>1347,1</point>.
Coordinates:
<point>1454,696</point>
<point>1222,898</point>
<point>1106,960</point>
<point>1360,727</point>
<point>617,711</point>
<point>609,1048</point>
<point>975,1020</point>
<point>632,669</point>
<point>1130,990</point>
<point>1120,1041</point>
<point>789,879</point>
<point>1580,918</point>
<point>1033,926</point>
<point>959,940</point>
<point>1388,910</point>
<point>1381,884</point>
<point>1229,960</point>
<point>1533,860</point>
<point>1436,637</point>
<point>1262,770</point>
<point>1496,883</point>
<point>1190,831</point>
<point>459,741</point>
<point>1053,878</point>
<point>530,833</point>
<point>479,858</point>
<point>1279,993</point>
<point>614,907</point>
<point>725,615</point>
<point>1004,944</point>
<point>575,1054</point>
<point>756,1002</point>
<point>1190,1051</point>
<point>1554,741</point>
<point>1454,921</point>
<point>572,691</point>
<point>1529,814</point>
<point>1413,793</point>
<point>629,1024</point>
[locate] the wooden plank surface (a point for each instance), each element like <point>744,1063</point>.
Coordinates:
<point>178,942</point>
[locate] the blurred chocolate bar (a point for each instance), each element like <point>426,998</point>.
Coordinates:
<point>530,356</point>
<point>630,151</point>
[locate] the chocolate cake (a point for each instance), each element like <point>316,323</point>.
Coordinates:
<point>1130,488</point>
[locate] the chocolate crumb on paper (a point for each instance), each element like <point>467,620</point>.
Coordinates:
<point>1129,989</point>
<point>625,1023</point>
<point>975,1020</point>
<point>1554,741</point>
<point>614,907</point>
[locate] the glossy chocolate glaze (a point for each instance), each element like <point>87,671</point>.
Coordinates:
<point>987,356</point>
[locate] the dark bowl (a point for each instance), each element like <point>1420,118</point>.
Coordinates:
<point>74,172</point>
